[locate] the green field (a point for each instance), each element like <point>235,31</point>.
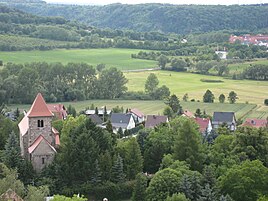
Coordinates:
<point>181,83</point>
<point>238,68</point>
<point>157,107</point>
<point>112,57</point>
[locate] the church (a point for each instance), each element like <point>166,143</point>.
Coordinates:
<point>38,139</point>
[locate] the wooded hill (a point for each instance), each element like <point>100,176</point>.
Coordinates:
<point>180,19</point>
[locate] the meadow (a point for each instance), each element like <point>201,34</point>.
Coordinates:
<point>112,57</point>
<point>239,67</point>
<point>180,83</point>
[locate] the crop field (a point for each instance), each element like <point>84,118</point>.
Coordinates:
<point>156,107</point>
<point>112,57</point>
<point>180,83</point>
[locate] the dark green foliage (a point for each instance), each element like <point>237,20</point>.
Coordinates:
<point>232,97</point>
<point>178,65</point>
<point>139,192</point>
<point>109,127</point>
<point>174,103</point>
<point>70,82</point>
<point>71,110</point>
<point>198,113</point>
<point>265,101</point>
<point>177,197</point>
<point>12,156</point>
<point>120,133</point>
<point>117,172</point>
<point>187,145</point>
<point>222,98</point>
<point>208,97</point>
<point>162,17</point>
<point>245,182</point>
<point>151,84</point>
<point>256,72</point>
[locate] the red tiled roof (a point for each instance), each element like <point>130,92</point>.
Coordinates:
<point>137,112</point>
<point>154,120</point>
<point>187,113</point>
<point>58,109</point>
<point>203,123</point>
<point>57,136</point>
<point>39,108</point>
<point>37,142</point>
<point>257,123</point>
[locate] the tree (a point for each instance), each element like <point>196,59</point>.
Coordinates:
<point>12,156</point>
<point>109,127</point>
<point>139,192</point>
<point>185,97</point>
<point>168,112</point>
<point>245,182</point>
<point>37,193</point>
<point>151,84</point>
<point>174,103</point>
<point>161,93</point>
<point>117,172</point>
<point>187,145</point>
<point>71,111</point>
<point>198,113</point>
<point>96,111</point>
<point>222,98</point>
<point>232,97</point>
<point>222,68</point>
<point>162,61</point>
<point>208,97</point>
<point>100,67</point>
<point>177,197</point>
<point>178,65</point>
<point>134,160</point>
<point>164,183</point>
<point>120,132</point>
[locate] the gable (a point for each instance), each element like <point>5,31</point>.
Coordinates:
<point>41,147</point>
<point>39,108</point>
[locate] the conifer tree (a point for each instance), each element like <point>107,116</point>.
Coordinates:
<point>117,174</point>
<point>96,176</point>
<point>120,133</point>
<point>12,157</point>
<point>109,127</point>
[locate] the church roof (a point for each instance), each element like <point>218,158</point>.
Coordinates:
<point>39,108</point>
<point>37,142</point>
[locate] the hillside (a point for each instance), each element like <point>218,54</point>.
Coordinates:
<point>166,18</point>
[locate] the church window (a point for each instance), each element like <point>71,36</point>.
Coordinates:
<point>40,123</point>
<point>43,160</point>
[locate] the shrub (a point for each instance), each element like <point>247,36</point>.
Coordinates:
<point>266,102</point>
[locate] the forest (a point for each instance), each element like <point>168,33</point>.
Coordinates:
<point>165,18</point>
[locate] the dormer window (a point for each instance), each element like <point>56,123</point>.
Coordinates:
<point>40,123</point>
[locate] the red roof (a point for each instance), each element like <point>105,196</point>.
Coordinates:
<point>39,108</point>
<point>137,112</point>
<point>58,110</point>
<point>37,142</point>
<point>57,136</point>
<point>203,123</point>
<point>187,113</point>
<point>257,123</point>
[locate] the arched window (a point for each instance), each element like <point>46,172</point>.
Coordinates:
<point>40,123</point>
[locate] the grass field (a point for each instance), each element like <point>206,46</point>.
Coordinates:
<point>157,107</point>
<point>112,57</point>
<point>238,68</point>
<point>181,83</point>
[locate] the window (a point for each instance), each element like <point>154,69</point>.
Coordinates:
<point>40,123</point>
<point>43,160</point>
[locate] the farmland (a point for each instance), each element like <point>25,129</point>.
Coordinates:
<point>181,83</point>
<point>112,57</point>
<point>239,67</point>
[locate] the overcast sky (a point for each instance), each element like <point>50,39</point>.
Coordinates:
<point>210,2</point>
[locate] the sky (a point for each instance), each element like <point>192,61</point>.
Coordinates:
<point>207,2</point>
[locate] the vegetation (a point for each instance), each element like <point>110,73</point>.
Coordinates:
<point>160,17</point>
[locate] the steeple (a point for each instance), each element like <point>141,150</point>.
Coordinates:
<point>39,108</point>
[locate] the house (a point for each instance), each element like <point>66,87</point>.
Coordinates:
<point>204,124</point>
<point>38,139</point>
<point>256,123</point>
<point>155,120</point>
<point>187,113</point>
<point>221,118</point>
<point>96,119</point>
<point>101,111</point>
<point>10,195</point>
<point>58,110</point>
<point>222,54</point>
<point>122,120</point>
<point>137,115</point>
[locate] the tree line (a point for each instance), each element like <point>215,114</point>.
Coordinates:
<point>180,19</point>
<point>57,82</point>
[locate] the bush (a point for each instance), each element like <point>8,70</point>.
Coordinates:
<point>211,81</point>
<point>266,102</point>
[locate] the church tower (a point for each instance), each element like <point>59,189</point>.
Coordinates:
<point>38,139</point>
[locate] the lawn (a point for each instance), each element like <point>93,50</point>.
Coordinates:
<point>156,107</point>
<point>112,57</point>
<point>180,83</point>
